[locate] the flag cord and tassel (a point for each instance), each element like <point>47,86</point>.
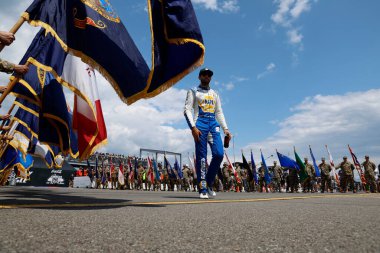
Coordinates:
<point>14,29</point>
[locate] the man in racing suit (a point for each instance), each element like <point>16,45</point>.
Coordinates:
<point>205,126</point>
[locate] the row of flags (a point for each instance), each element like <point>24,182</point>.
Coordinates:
<point>76,38</point>
<point>289,163</point>
<point>152,172</point>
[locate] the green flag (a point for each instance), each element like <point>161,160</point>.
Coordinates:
<point>303,174</point>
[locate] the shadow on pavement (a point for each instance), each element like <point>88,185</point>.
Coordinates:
<point>50,199</point>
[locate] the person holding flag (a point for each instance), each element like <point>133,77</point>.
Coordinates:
<point>277,174</point>
<point>205,126</point>
<point>262,182</point>
<point>369,173</point>
<point>325,169</point>
<point>310,174</point>
<point>347,177</point>
<point>7,38</point>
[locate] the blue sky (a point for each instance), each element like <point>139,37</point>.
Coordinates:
<point>290,72</point>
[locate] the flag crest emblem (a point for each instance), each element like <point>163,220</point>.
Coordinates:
<point>104,8</point>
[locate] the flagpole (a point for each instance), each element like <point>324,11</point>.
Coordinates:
<point>14,29</point>
<point>4,145</point>
<point>233,148</point>
<point>10,86</point>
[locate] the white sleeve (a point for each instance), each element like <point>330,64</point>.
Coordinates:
<point>189,105</point>
<point>219,113</point>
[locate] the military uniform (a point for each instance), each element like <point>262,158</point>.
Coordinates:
<point>238,179</point>
<point>325,169</point>
<point>276,179</point>
<point>369,174</point>
<point>293,180</point>
<point>114,178</point>
<point>310,172</point>
<point>140,176</point>
<point>186,178</point>
<point>262,181</point>
<point>165,178</point>
<point>347,175</point>
<point>6,66</point>
<point>244,179</point>
<point>227,178</point>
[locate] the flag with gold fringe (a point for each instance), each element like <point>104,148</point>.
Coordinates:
<point>93,31</point>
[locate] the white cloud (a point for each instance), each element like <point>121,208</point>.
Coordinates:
<point>230,86</point>
<point>300,7</point>
<point>294,36</point>
<point>147,123</point>
<point>335,120</point>
<point>280,17</point>
<point>288,12</point>
<point>222,6</point>
<point>269,69</point>
<point>239,78</point>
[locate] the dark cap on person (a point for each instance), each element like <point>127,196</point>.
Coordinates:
<point>206,71</point>
<point>366,156</point>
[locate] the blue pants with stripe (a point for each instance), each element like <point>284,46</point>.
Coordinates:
<point>208,125</point>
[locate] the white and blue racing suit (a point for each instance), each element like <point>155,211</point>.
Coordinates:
<point>208,118</point>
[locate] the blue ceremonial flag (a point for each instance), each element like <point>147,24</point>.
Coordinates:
<point>7,161</point>
<point>178,169</point>
<point>29,87</point>
<point>254,172</point>
<point>156,172</point>
<point>169,168</point>
<point>23,163</point>
<point>268,178</point>
<point>287,162</point>
<point>177,44</point>
<point>93,31</point>
<point>317,172</point>
<point>54,115</point>
<point>245,165</point>
<point>44,151</point>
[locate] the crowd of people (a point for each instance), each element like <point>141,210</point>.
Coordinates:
<point>132,173</point>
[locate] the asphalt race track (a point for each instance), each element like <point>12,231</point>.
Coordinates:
<point>86,220</point>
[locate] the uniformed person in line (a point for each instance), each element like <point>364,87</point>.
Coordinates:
<point>262,182</point>
<point>325,169</point>
<point>114,178</point>
<point>347,175</point>
<point>276,179</point>
<point>369,173</point>
<point>164,176</point>
<point>244,179</point>
<point>227,177</point>
<point>310,174</point>
<point>293,180</point>
<point>186,177</point>
<point>238,179</point>
<point>140,177</point>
